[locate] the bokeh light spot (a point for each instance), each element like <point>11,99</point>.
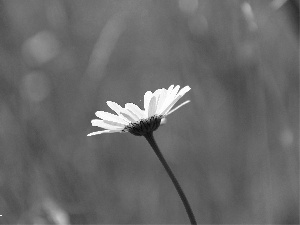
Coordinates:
<point>188,6</point>
<point>41,48</point>
<point>35,87</point>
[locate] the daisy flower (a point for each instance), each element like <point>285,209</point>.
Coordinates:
<point>142,122</point>
<point>157,106</point>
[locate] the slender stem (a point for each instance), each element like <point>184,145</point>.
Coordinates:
<point>184,200</point>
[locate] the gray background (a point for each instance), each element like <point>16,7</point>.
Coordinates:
<point>234,148</point>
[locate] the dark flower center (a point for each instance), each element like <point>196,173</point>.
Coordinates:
<point>144,126</point>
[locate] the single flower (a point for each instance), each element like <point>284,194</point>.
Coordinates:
<point>157,106</point>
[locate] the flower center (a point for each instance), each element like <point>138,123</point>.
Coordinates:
<point>144,126</point>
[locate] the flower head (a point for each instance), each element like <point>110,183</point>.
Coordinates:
<point>157,106</point>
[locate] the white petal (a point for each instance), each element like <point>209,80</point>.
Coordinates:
<point>182,104</point>
<point>166,110</point>
<point>128,115</point>
<point>174,92</point>
<point>157,93</point>
<point>118,109</point>
<point>165,104</point>
<point>171,88</point>
<point>184,90</point>
<point>118,125</point>
<point>147,98</point>
<point>114,106</point>
<point>132,114</point>
<point>171,93</point>
<point>177,96</point>
<point>107,124</point>
<point>136,110</point>
<point>110,117</point>
<point>152,106</point>
<point>104,131</point>
<point>161,100</point>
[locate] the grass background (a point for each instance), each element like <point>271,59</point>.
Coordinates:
<point>234,148</point>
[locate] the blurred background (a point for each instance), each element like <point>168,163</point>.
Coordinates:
<point>234,148</point>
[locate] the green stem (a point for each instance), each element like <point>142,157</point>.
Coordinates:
<point>151,140</point>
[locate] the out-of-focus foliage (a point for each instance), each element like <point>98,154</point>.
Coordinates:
<point>234,148</point>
